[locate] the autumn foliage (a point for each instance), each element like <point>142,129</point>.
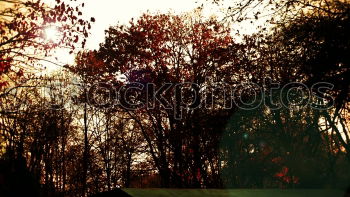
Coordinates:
<point>22,28</point>
<point>105,121</point>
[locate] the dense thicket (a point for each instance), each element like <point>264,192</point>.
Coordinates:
<point>102,124</point>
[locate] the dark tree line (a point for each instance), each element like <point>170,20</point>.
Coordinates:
<point>84,132</point>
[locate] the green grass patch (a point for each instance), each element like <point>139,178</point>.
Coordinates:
<point>232,193</point>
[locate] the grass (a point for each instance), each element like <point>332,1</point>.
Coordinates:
<point>232,193</point>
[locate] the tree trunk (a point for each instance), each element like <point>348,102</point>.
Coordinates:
<point>86,153</point>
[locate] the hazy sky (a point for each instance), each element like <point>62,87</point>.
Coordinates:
<point>110,12</point>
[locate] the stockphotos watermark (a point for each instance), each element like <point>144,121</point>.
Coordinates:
<point>177,97</point>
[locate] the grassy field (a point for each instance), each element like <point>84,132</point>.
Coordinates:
<point>232,193</point>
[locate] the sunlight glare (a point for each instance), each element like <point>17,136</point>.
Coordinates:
<point>51,34</point>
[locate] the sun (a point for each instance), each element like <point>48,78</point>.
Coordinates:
<point>52,34</point>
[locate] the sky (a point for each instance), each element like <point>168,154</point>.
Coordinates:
<point>112,12</point>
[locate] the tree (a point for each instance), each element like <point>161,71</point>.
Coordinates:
<point>24,126</point>
<point>313,48</point>
<point>23,42</point>
<point>307,43</point>
<point>159,49</point>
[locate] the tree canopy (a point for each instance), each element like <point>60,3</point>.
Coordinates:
<point>176,100</point>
